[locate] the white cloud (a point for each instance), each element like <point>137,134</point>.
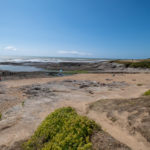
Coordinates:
<point>10,48</point>
<point>74,53</point>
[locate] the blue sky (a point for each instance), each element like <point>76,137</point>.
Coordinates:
<point>76,28</point>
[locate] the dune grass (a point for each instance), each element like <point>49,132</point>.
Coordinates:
<point>63,129</point>
<point>147,93</point>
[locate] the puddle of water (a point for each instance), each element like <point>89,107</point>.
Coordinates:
<point>15,68</point>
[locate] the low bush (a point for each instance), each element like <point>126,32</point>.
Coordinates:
<point>63,129</point>
<point>0,116</point>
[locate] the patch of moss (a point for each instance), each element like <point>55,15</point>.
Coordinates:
<point>63,129</point>
<point>147,93</point>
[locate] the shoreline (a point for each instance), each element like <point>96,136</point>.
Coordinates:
<point>69,68</point>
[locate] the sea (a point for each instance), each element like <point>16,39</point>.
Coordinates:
<point>32,59</point>
<point>21,59</point>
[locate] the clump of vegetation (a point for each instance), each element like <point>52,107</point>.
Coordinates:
<point>64,129</point>
<point>147,93</point>
<point>142,64</point>
<point>138,64</point>
<point>0,115</point>
<point>23,104</point>
<point>139,84</point>
<point>113,119</point>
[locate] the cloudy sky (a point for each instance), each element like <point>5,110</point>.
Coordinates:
<point>78,28</point>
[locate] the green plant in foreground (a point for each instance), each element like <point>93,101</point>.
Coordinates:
<point>63,129</point>
<point>147,93</point>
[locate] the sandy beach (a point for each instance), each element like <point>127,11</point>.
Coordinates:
<point>26,102</point>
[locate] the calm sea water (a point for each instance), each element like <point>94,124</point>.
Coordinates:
<point>17,68</point>
<point>46,59</point>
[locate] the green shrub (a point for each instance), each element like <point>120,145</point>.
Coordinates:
<point>63,129</point>
<point>0,116</point>
<point>143,64</point>
<point>147,93</point>
<point>140,64</point>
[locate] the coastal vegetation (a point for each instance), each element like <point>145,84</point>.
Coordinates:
<point>135,63</point>
<point>147,93</point>
<point>63,129</point>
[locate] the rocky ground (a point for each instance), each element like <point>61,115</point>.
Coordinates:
<point>125,117</point>
<point>52,68</point>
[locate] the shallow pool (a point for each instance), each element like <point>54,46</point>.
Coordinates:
<point>15,68</point>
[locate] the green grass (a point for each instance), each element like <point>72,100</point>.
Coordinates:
<point>147,93</point>
<point>63,129</point>
<point>139,64</point>
<point>75,72</point>
<point>0,116</point>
